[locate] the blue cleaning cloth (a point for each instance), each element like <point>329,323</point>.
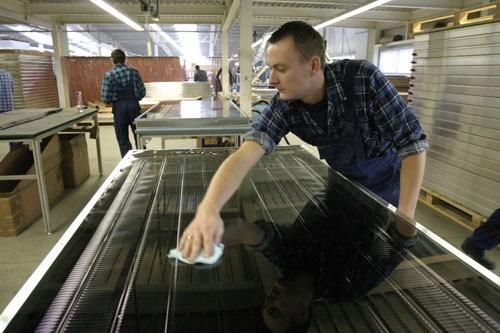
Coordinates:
<point>201,259</point>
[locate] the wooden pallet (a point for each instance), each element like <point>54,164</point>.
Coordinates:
<point>451,209</point>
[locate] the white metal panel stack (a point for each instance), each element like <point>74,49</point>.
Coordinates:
<point>177,91</point>
<point>455,91</point>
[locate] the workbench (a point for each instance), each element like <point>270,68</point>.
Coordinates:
<point>32,126</point>
<point>181,119</point>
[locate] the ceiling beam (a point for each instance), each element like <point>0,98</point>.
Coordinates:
<point>87,13</point>
<point>232,15</point>
<point>15,11</point>
<point>426,4</point>
<point>103,19</point>
<point>429,4</point>
<point>89,8</point>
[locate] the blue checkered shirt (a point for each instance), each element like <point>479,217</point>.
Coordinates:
<point>389,122</point>
<point>6,91</point>
<point>123,74</point>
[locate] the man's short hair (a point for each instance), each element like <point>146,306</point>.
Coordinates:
<point>308,41</point>
<point>118,56</point>
<point>197,67</point>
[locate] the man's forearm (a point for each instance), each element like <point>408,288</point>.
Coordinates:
<point>229,176</point>
<point>412,173</point>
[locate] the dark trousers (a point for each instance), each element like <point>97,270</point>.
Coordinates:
<point>487,235</point>
<point>124,114</point>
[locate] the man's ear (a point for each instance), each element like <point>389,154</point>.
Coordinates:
<point>315,65</point>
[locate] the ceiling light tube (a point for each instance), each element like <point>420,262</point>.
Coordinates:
<point>117,14</point>
<point>351,13</point>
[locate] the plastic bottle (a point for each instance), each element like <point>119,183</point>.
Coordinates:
<point>79,101</point>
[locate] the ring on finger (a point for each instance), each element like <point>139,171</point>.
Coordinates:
<point>189,237</point>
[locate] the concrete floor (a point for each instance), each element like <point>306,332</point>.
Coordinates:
<point>20,255</point>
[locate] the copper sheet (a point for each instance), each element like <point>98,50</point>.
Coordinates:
<point>85,74</point>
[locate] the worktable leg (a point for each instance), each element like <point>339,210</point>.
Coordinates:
<point>98,145</point>
<point>42,186</point>
<point>140,143</point>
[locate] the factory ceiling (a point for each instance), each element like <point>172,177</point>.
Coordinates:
<point>203,19</point>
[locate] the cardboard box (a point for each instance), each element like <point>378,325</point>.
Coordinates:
<point>75,163</point>
<point>20,208</point>
<point>19,200</point>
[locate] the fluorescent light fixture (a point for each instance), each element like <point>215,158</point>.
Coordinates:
<point>117,14</point>
<point>169,39</point>
<point>351,13</point>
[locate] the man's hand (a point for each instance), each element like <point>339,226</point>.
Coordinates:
<point>204,230</point>
<point>207,226</point>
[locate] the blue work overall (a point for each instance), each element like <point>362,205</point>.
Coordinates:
<point>125,109</point>
<point>346,154</point>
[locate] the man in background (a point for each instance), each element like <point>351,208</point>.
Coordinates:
<point>7,95</point>
<point>200,75</point>
<point>123,87</point>
<point>6,91</point>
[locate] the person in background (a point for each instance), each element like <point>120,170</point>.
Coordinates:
<point>7,96</point>
<point>122,87</point>
<point>200,75</point>
<point>484,238</point>
<point>6,91</point>
<point>348,109</point>
<point>218,80</point>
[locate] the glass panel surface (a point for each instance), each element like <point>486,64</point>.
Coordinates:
<point>304,248</point>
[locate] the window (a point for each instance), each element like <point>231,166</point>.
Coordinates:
<point>396,61</point>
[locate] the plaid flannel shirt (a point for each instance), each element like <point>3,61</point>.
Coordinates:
<point>6,91</point>
<point>390,122</point>
<point>123,74</point>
